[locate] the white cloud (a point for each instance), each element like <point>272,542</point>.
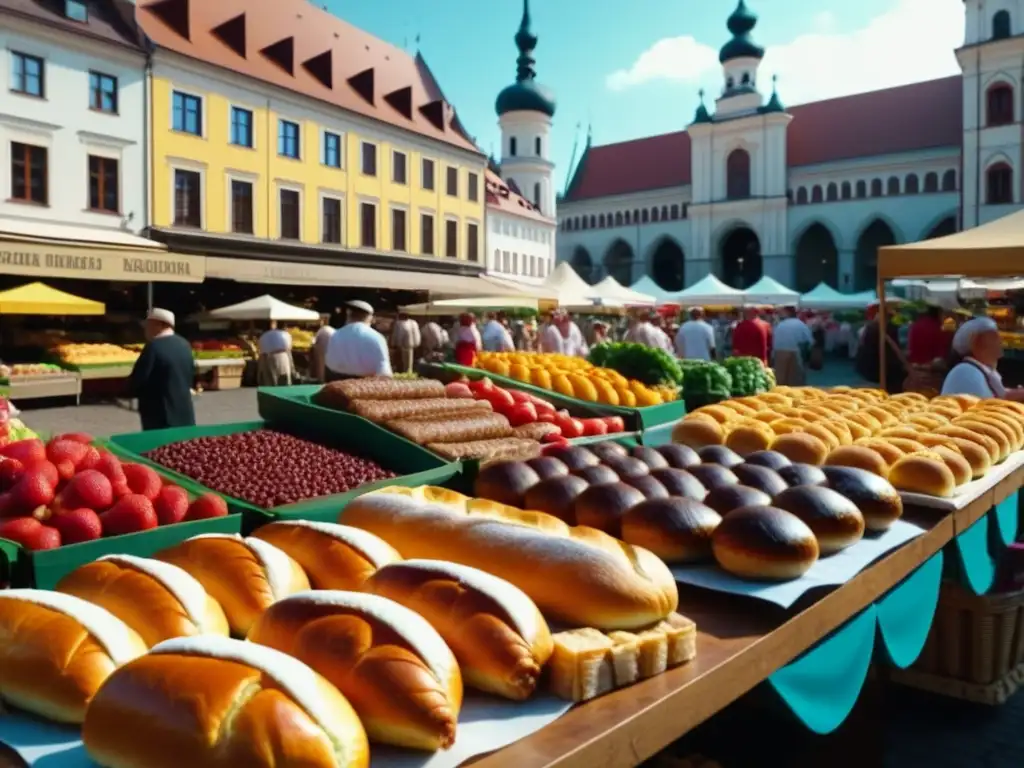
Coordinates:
<point>913,41</point>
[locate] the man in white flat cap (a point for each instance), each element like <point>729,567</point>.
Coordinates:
<point>163,375</point>
<point>357,350</point>
<point>979,345</point>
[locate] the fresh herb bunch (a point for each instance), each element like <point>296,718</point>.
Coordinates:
<point>705,379</point>
<point>749,376</point>
<point>653,367</point>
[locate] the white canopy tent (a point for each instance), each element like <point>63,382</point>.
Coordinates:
<point>770,291</point>
<point>265,307</point>
<point>707,290</point>
<point>648,287</point>
<point>824,296</point>
<point>568,288</point>
<point>611,289</point>
<point>456,306</point>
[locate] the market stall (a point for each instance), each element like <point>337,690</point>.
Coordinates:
<point>609,289</point>
<point>708,290</point>
<point>648,287</point>
<point>824,297</point>
<point>446,307</point>
<point>769,291</point>
<point>568,288</point>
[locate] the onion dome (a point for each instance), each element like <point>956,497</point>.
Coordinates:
<point>526,94</point>
<point>741,23</point>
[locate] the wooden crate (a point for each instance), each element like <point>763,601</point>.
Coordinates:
<point>227,377</point>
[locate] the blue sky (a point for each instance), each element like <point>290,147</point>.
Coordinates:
<point>636,74</point>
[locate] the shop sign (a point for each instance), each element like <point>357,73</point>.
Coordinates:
<point>65,260</point>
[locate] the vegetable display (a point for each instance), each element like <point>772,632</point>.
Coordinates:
<point>706,380</point>
<point>653,367</point>
<point>749,376</point>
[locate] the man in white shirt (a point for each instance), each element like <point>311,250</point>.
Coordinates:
<point>696,338</point>
<point>550,339</point>
<point>275,366</point>
<point>319,351</point>
<point>792,343</point>
<point>647,333</point>
<point>357,350</point>
<point>405,338</point>
<point>577,345</point>
<point>433,338</point>
<point>495,336</point>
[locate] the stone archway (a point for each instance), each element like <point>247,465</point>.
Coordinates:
<point>618,262</point>
<point>582,263</point>
<point>817,259</point>
<point>741,258</point>
<point>668,265</point>
<point>865,267</point>
<point>945,227</point>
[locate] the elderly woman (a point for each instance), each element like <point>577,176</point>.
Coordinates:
<point>978,345</point>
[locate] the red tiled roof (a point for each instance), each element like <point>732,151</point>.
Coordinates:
<point>902,119</point>
<point>110,21</point>
<point>502,198</point>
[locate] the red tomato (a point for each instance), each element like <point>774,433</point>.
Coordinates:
<point>547,417</point>
<point>554,439</point>
<point>593,427</point>
<point>570,427</point>
<point>615,424</point>
<point>481,385</point>
<point>541,404</point>
<point>520,397</point>
<point>522,413</point>
<point>500,399</point>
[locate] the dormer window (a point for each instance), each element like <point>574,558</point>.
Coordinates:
<point>746,78</point>
<point>76,10</point>
<point>729,83</point>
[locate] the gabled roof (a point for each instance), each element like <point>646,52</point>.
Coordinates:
<point>903,119</point>
<point>295,45</point>
<point>501,198</point>
<point>109,21</point>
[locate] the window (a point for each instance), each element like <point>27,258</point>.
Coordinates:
<point>27,75</point>
<point>187,113</point>
<point>330,150</point>
<point>931,182</point>
<point>674,211</point>
<point>288,143</point>
<point>241,207</point>
<point>76,10</point>
<point>399,228</point>
<point>187,198</point>
<point>643,217</point>
<point>289,201</point>
<point>876,187</point>
<point>512,146</point>
<point>369,159</point>
<point>1001,25</point>
<point>999,105</point>
<point>398,169</point>
<point>536,195</point>
<point>427,234</point>
<point>999,184</point>
<point>845,192</point>
<point>241,127</point>
<point>451,239</point>
<point>816,196</point>
<point>473,187</point>
<point>600,221</point>
<point>368,224</point>
<point>103,184</point>
<point>949,181</point>
<point>911,184</point>
<point>832,192</point>
<point>737,174</point>
<point>892,186</point>
<point>801,196</point>
<point>29,177</point>
<point>331,223</point>
<point>427,173</point>
<point>654,211</point>
<point>102,92</point>
<point>537,146</point>
<point>472,242</point>
<point>452,182</point>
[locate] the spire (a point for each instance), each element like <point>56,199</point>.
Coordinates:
<point>526,95</point>
<point>701,115</point>
<point>526,42</point>
<point>774,103</point>
<point>741,23</point>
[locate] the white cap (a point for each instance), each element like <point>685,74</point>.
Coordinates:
<point>362,306</point>
<point>964,337</point>
<point>164,316</point>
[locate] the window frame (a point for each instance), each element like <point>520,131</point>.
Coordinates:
<point>362,221</point>
<point>363,146</point>
<point>1000,113</point>
<point>200,115</point>
<point>451,223</point>
<point>1000,166</point>
<point>340,200</point>
<point>473,239</point>
<point>78,4</point>
<point>96,82</point>
<point>21,88</point>
<point>424,163</point>
<point>432,217</point>
<point>395,154</point>
<point>448,179</point>
<point>101,190</point>
<point>282,126</point>
<point>739,180</point>
<point>251,181</point>
<point>326,138</point>
<point>297,191</point>
<point>238,108</point>
<point>473,187</point>
<point>28,199</point>
<point>201,174</point>
<point>404,210</point>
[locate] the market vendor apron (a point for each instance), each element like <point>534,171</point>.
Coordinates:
<point>465,353</point>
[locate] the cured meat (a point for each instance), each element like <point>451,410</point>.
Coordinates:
<point>502,448</point>
<point>338,394</point>
<point>388,410</point>
<point>445,429</point>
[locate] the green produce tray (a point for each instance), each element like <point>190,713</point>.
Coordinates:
<point>634,418</point>
<point>42,570</point>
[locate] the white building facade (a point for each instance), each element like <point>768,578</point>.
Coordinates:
<point>806,194</point>
<point>520,240</point>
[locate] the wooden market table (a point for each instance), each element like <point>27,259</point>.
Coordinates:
<point>67,384</point>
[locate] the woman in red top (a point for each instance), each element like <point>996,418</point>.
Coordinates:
<point>926,340</point>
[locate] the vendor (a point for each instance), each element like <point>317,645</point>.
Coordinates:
<point>356,350</point>
<point>318,352</point>
<point>979,346</point>
<point>496,336</point>
<point>467,341</point>
<point>275,366</point>
<point>163,375</point>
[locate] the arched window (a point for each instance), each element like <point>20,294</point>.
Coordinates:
<point>537,147</point>
<point>618,219</point>
<point>685,209</point>
<point>644,217</point>
<point>636,216</point>
<point>893,186</point>
<point>910,184</point>
<point>832,192</point>
<point>801,196</point>
<point>512,146</point>
<point>931,182</point>
<point>627,217</point>
<point>862,189</point>
<point>600,221</point>
<point>816,195</point>
<point>1001,25</point>
<point>737,175</point>
<point>999,105</point>
<point>999,184</point>
<point>876,187</point>
<point>674,212</point>
<point>846,193</point>
<point>536,194</point>
<point>585,223</point>
<point>664,213</point>
<point>593,221</point>
<point>654,214</point>
<point>949,181</point>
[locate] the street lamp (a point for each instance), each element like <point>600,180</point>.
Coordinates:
<point>739,263</point>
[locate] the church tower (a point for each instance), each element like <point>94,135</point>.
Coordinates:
<point>740,58</point>
<point>525,111</point>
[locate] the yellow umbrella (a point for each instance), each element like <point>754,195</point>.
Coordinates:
<point>41,299</point>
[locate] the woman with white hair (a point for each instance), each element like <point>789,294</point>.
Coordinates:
<point>979,346</point>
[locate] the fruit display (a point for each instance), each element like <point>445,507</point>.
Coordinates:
<point>302,338</point>
<point>8,372</point>
<point>68,491</point>
<point>576,378</point>
<point>216,350</point>
<point>920,445</point>
<point>749,376</point>
<point>95,354</point>
<point>267,468</point>
<point>653,367</point>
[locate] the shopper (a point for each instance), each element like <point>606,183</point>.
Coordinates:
<point>495,336</point>
<point>433,338</point>
<point>646,333</point>
<point>467,341</point>
<point>405,338</point>
<point>696,339</point>
<point>979,346</point>
<point>927,341</point>
<point>550,338</point>
<point>750,337</point>
<point>793,340</point>
<point>867,362</point>
<point>318,352</point>
<point>357,350</point>
<point>274,367</point>
<point>576,345</point>
<point>163,375</point>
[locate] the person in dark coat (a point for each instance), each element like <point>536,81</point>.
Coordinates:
<point>163,375</point>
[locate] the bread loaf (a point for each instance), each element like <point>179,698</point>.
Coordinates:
<point>923,472</point>
<point>801,447</point>
<point>57,650</point>
<point>338,394</point>
<point>158,600</point>
<point>538,430</point>
<point>388,661</point>
<point>874,496</point>
<point>579,576</point>
<point>497,634</point>
<point>858,456</point>
<point>461,428</point>
<point>696,433</point>
<point>220,703</point>
<point>388,410</point>
<point>764,543</point>
<point>499,448</point>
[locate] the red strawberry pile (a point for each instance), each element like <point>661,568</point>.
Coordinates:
<point>525,408</point>
<point>68,491</point>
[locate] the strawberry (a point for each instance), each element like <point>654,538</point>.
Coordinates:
<point>25,451</point>
<point>130,514</point>
<point>142,480</point>
<point>91,459</point>
<point>6,507</point>
<point>89,489</point>
<point>77,437</point>
<point>206,506</point>
<point>66,450</point>
<point>48,470</point>
<point>77,525</point>
<point>31,492</point>
<point>29,533</point>
<point>65,471</point>
<point>110,466</point>
<point>10,472</point>
<point>171,505</point>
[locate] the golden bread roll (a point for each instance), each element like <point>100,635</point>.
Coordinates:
<point>904,431</point>
<point>947,411</point>
<point>1009,405</point>
<point>861,456</point>
<point>823,433</point>
<point>497,634</point>
<point>962,433</point>
<point>333,556</point>
<point>388,661</point>
<point>923,472</point>
<point>965,401</point>
<point>752,403</point>
<point>790,424</point>
<point>989,430</point>
<point>834,519</point>
<point>874,496</point>
<point>221,703</point>
<point>840,429</point>
<point>871,392</point>
<point>56,650</point>
<point>866,420</point>
<point>801,448</point>
<point>246,576</point>
<point>718,412</point>
<point>1010,429</point>
<point>764,543</point>
<point>885,418</point>
<point>740,408</point>
<point>696,433</point>
<point>911,445</point>
<point>749,437</point>
<point>158,600</point>
<point>856,429</point>
<point>579,576</point>
<point>927,420</point>
<point>767,417</point>
<point>958,465</point>
<point>882,447</point>
<point>947,401</point>
<point>774,398</point>
<point>676,529</point>
<point>909,397</point>
<point>821,410</point>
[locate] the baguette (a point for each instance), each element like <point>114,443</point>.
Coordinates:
<point>581,577</point>
<point>338,394</point>
<point>388,410</point>
<point>477,425</point>
<point>498,448</point>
